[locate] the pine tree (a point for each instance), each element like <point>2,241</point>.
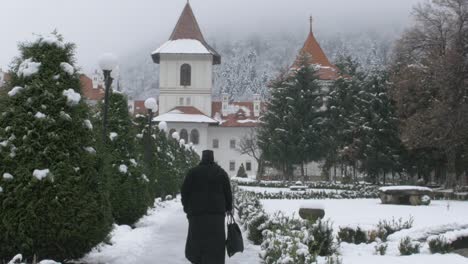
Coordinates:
<point>241,172</point>
<point>53,203</point>
<point>291,130</point>
<point>128,185</point>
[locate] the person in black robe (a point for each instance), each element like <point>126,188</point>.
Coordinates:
<point>206,197</point>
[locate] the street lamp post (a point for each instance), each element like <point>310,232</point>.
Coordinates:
<point>152,105</point>
<point>107,62</point>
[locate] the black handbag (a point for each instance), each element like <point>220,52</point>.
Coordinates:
<point>234,241</point>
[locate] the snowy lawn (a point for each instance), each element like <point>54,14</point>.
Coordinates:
<point>284,190</point>
<point>366,213</point>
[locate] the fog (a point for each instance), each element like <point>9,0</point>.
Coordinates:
<point>124,26</point>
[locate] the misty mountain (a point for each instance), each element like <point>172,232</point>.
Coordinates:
<point>249,63</point>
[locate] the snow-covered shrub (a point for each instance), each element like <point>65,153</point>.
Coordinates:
<point>288,247</point>
<point>334,259</point>
<point>408,247</point>
<point>323,243</point>
<point>439,245</point>
<point>381,249</point>
<point>68,211</point>
<point>353,235</point>
<point>256,226</point>
<point>122,167</point>
<point>386,228</point>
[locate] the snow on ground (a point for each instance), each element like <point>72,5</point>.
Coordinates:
<point>159,237</point>
<point>284,190</point>
<point>366,213</point>
<point>439,217</point>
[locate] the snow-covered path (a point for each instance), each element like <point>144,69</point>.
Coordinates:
<point>158,238</point>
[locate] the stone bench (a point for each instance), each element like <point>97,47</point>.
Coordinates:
<point>405,195</point>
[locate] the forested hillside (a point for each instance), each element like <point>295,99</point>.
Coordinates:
<point>249,63</point>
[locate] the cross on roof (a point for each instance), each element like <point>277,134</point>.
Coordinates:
<point>311,22</point>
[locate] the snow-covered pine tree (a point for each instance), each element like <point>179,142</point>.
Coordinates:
<point>344,116</point>
<point>128,186</point>
<point>53,203</point>
<point>380,145</point>
<point>291,129</point>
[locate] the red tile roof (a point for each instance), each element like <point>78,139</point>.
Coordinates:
<point>139,108</point>
<point>327,71</point>
<point>87,90</point>
<point>187,28</point>
<point>240,118</point>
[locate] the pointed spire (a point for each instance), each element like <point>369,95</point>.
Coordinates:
<point>316,55</point>
<point>187,26</point>
<point>311,22</point>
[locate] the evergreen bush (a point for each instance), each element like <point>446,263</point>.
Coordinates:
<point>352,235</point>
<point>386,228</point>
<point>440,245</point>
<point>241,172</point>
<point>323,243</point>
<point>381,249</point>
<point>408,247</point>
<point>54,205</point>
<point>122,165</point>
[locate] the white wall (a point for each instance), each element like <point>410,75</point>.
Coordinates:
<point>224,154</point>
<point>201,83</point>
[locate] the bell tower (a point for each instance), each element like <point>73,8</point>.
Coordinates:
<point>186,66</point>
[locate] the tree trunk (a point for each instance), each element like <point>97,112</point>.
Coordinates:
<point>450,181</point>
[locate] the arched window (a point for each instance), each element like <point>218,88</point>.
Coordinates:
<point>184,135</point>
<point>194,137</point>
<point>171,132</point>
<point>185,75</point>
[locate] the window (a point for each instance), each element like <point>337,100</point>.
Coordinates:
<point>181,101</point>
<point>248,166</point>
<point>171,132</point>
<point>232,165</point>
<point>188,101</point>
<point>185,75</point>
<point>184,135</point>
<point>215,143</point>
<point>232,143</point>
<point>194,137</point>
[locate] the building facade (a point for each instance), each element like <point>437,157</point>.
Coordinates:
<point>186,104</point>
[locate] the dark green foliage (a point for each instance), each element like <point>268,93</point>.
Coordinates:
<point>381,249</point>
<point>166,161</point>
<point>241,172</point>
<point>362,124</point>
<point>255,233</point>
<point>440,245</point>
<point>351,235</point>
<point>122,167</point>
<point>67,213</point>
<point>386,228</point>
<point>323,242</point>
<point>290,132</point>
<point>408,247</point>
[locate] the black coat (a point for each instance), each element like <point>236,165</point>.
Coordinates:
<point>206,191</point>
<point>206,197</point>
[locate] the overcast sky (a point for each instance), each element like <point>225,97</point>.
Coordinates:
<point>123,26</point>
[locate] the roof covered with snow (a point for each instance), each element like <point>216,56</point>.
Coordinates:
<point>186,38</point>
<point>185,114</point>
<point>238,114</point>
